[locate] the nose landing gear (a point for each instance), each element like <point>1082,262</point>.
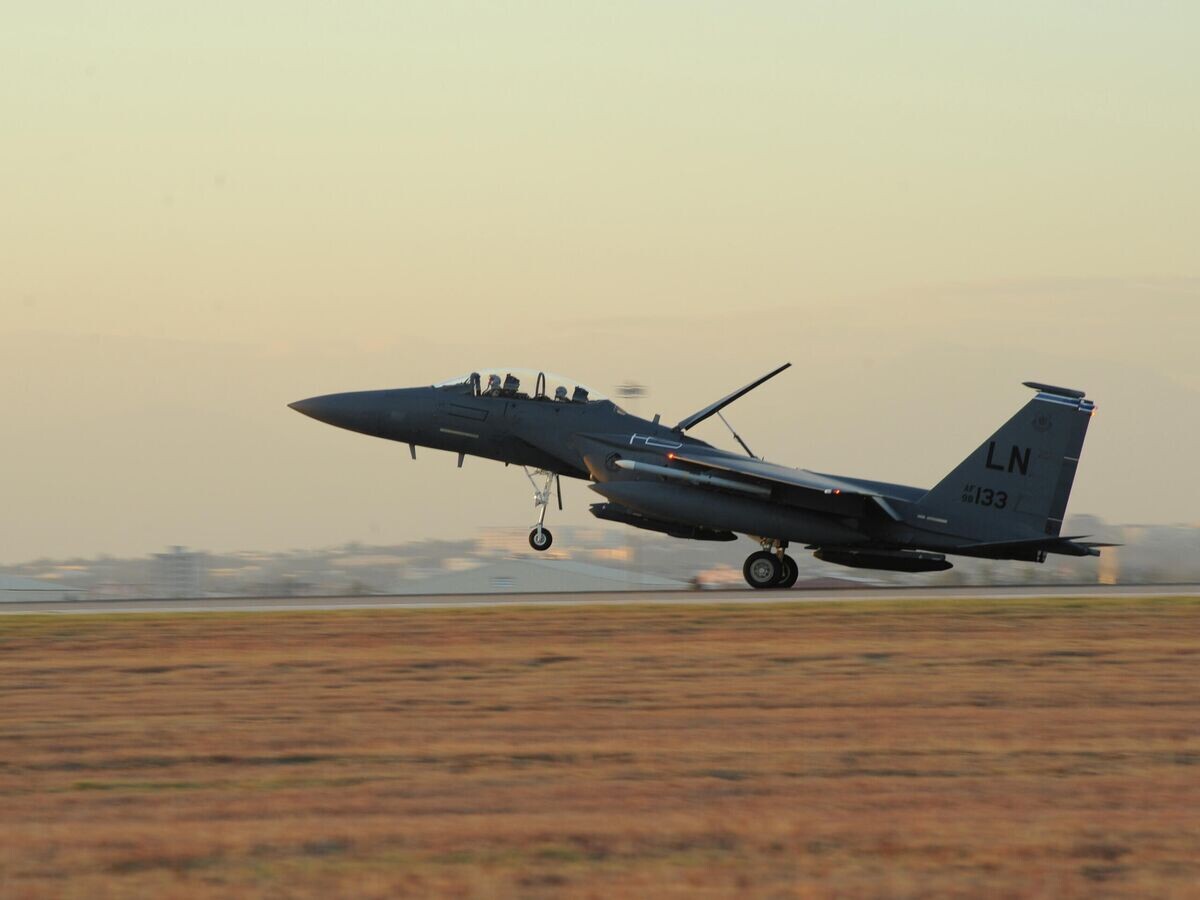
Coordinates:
<point>770,569</point>
<point>540,537</point>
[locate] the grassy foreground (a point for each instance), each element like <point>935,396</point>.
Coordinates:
<point>1040,748</point>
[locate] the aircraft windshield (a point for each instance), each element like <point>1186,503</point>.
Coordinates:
<point>526,383</point>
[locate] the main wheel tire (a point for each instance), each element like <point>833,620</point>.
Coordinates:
<point>788,573</point>
<point>540,539</point>
<point>761,570</point>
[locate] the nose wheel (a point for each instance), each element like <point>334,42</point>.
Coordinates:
<point>540,537</point>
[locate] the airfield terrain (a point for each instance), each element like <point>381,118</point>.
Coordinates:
<point>964,747</point>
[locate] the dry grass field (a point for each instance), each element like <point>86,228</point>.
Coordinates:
<point>1043,748</point>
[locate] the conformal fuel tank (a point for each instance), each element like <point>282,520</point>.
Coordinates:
<point>727,512</point>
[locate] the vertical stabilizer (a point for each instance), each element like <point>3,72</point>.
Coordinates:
<point>1017,483</point>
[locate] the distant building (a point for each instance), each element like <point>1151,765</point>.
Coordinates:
<point>179,572</point>
<point>14,589</point>
<point>501,541</point>
<point>107,590</point>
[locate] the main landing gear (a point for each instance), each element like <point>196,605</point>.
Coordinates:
<point>770,569</point>
<point>540,537</point>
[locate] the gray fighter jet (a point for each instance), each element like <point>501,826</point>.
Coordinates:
<point>1006,500</point>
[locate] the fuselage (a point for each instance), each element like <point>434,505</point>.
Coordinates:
<point>585,440</point>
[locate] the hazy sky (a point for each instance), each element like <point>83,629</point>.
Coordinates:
<point>213,209</point>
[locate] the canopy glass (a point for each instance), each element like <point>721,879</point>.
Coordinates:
<point>525,383</point>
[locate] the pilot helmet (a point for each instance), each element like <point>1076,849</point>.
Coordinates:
<point>560,393</point>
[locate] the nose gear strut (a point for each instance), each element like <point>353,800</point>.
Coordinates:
<point>540,537</point>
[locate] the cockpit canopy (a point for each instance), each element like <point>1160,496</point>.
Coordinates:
<point>527,384</point>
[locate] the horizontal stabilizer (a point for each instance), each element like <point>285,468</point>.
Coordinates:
<point>1064,546</point>
<point>1023,543</point>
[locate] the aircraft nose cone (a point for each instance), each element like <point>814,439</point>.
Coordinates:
<point>356,411</point>
<point>320,408</point>
<point>378,413</point>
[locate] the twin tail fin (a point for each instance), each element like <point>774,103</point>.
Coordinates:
<point>1016,484</point>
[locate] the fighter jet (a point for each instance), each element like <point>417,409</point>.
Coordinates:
<point>1006,500</point>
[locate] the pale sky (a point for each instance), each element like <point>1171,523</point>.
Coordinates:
<point>211,210</point>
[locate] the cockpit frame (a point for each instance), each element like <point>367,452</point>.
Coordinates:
<point>507,381</point>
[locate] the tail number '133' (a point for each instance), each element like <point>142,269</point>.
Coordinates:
<point>977,495</point>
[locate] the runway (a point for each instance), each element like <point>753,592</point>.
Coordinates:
<point>611,598</point>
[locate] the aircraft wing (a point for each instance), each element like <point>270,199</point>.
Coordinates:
<point>796,487</point>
